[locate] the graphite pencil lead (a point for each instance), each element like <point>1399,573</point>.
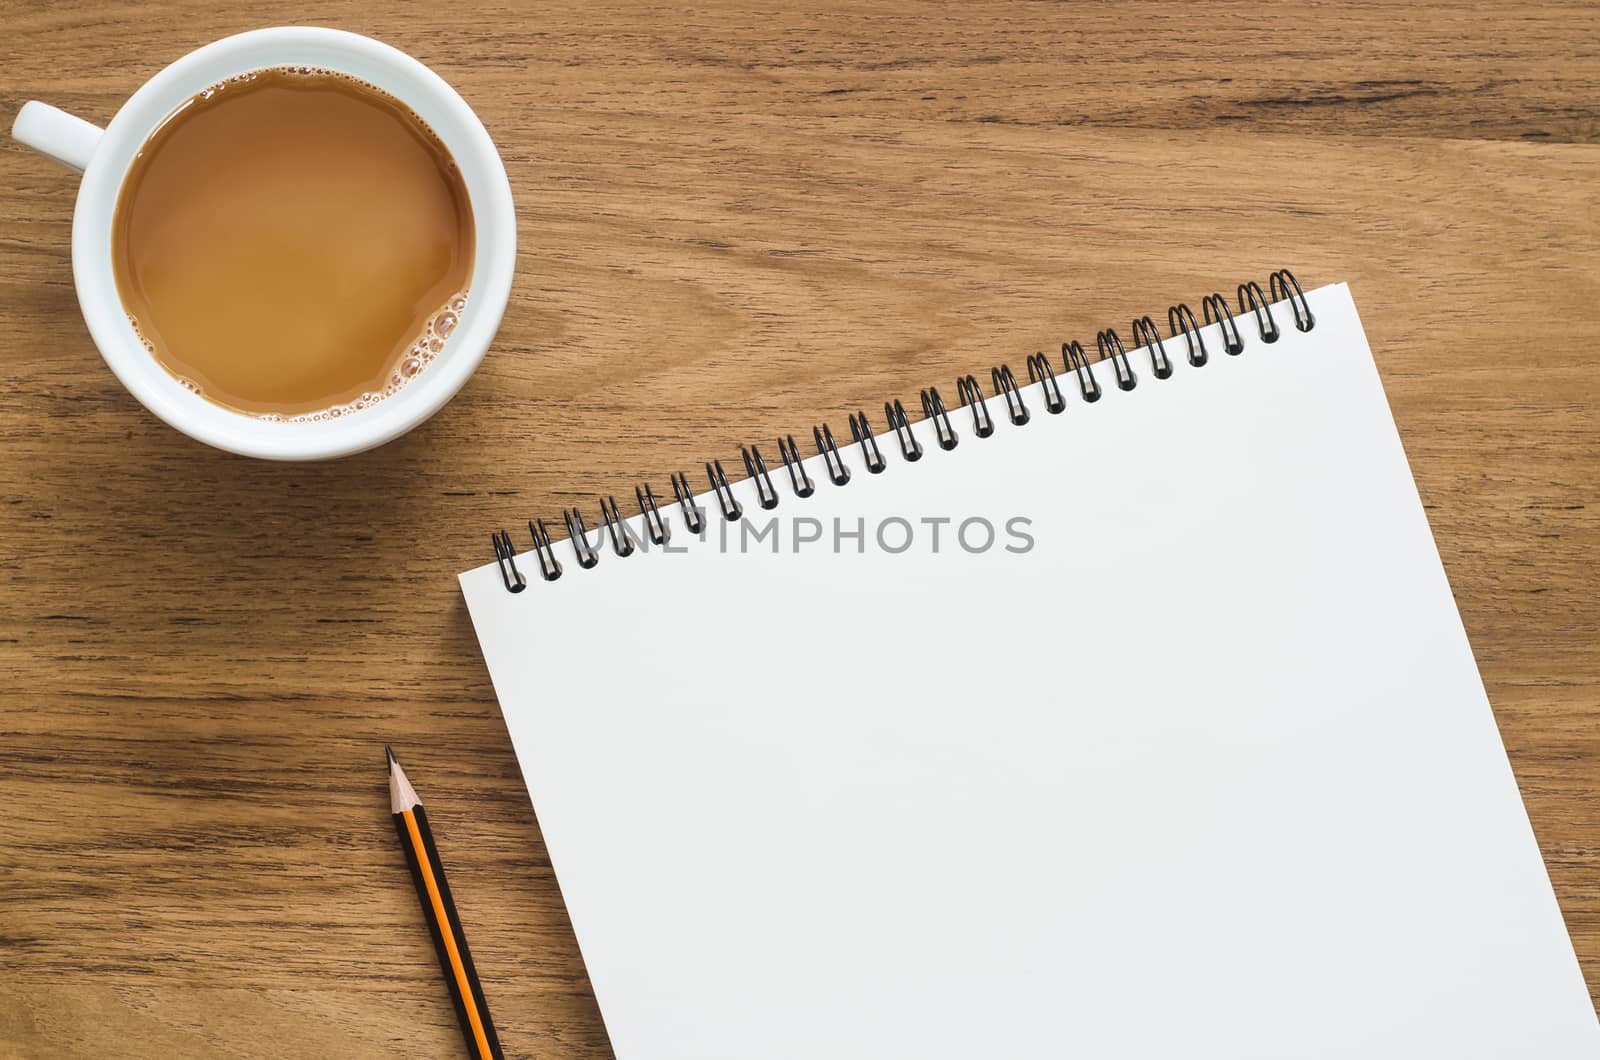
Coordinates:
<point>389,753</point>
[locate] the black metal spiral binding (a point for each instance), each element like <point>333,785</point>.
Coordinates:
<point>1110,345</point>
<point>578,534</point>
<point>1039,371</point>
<point>1279,283</point>
<point>755,469</point>
<point>828,449</point>
<point>731,509</point>
<point>1260,308</point>
<point>1005,384</point>
<point>621,539</point>
<point>1281,287</point>
<point>862,431</point>
<point>1078,362</point>
<point>685,495</point>
<point>900,424</point>
<point>972,395</point>
<point>549,566</point>
<point>803,486</point>
<point>654,525</point>
<point>1181,316</point>
<point>505,557</point>
<point>1232,344</point>
<point>933,409</point>
<point>1146,334</point>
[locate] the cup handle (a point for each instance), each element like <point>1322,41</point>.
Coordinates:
<point>56,134</point>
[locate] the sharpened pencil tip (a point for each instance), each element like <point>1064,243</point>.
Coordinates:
<point>402,796</point>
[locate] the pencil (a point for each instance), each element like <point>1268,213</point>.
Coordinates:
<point>439,910</point>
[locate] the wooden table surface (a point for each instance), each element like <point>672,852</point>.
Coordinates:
<point>734,221</point>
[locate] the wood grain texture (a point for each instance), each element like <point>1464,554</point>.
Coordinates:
<point>735,220</point>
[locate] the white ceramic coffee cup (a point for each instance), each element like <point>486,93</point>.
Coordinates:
<point>104,156</point>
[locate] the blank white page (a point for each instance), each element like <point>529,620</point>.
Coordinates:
<point>1205,772</point>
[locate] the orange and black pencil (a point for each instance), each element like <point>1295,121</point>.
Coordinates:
<point>439,910</point>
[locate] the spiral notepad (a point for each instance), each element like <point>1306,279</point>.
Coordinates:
<point>1117,708</point>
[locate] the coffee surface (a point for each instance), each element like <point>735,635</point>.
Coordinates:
<point>293,243</point>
